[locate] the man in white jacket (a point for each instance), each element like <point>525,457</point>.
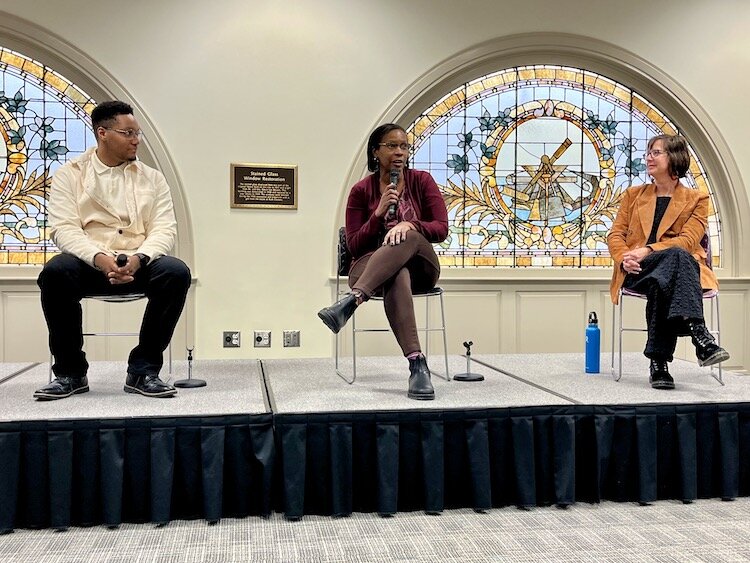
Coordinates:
<point>104,205</point>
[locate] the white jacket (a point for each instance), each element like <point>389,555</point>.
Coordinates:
<point>83,223</point>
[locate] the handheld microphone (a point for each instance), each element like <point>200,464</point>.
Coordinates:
<point>121,260</point>
<point>394,181</point>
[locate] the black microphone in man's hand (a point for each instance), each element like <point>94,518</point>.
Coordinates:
<point>394,181</point>
<point>121,260</point>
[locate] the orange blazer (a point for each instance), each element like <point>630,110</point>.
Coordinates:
<point>683,225</point>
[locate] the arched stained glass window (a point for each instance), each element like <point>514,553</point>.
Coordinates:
<point>532,162</point>
<point>44,121</point>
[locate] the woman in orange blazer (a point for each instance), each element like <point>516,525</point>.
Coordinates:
<point>655,242</point>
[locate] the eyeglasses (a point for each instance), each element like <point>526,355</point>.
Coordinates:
<point>655,153</point>
<point>127,133</point>
<point>394,146</point>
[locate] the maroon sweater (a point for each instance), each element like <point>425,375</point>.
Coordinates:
<point>365,231</point>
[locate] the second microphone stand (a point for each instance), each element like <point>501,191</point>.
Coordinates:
<point>190,382</point>
<point>468,376</point>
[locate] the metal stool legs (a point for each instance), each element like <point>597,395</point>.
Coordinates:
<point>427,329</point>
<point>617,312</point>
<point>125,298</point>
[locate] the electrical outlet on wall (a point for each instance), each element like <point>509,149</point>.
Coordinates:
<point>262,339</point>
<point>291,339</point>
<point>231,338</point>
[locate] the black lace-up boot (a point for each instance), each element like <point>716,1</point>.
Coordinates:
<point>659,375</point>
<point>706,349</point>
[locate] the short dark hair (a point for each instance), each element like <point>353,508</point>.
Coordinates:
<point>677,153</point>
<point>376,138</point>
<point>103,114</point>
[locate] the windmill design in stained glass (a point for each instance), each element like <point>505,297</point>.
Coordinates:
<point>44,121</point>
<point>532,162</point>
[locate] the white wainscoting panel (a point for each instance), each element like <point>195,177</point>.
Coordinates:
<point>24,332</point>
<point>550,321</point>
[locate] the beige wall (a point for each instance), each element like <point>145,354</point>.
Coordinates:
<point>304,82</point>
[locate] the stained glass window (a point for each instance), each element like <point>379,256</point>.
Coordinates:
<point>44,121</point>
<point>532,162</point>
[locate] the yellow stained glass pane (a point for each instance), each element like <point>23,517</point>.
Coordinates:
<point>523,261</point>
<point>38,257</point>
<point>33,68</point>
<point>567,75</point>
<point>447,260</point>
<point>623,94</point>
<point>12,59</point>
<point>604,85</point>
<point>564,261</point>
<point>494,81</point>
<point>57,82</point>
<point>542,73</point>
<point>17,257</point>
<point>76,95</point>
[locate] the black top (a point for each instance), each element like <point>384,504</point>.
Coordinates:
<point>661,206</point>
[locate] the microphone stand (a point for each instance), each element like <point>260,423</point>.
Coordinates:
<point>468,376</point>
<point>190,382</point>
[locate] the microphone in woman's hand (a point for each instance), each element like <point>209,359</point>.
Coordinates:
<point>394,181</point>
<point>121,260</point>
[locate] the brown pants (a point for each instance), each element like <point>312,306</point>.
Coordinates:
<point>397,272</point>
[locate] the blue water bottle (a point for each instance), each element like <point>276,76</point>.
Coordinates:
<point>592,344</point>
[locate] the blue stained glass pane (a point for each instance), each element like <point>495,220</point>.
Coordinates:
<point>53,108</point>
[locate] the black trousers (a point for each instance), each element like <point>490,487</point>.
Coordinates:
<point>65,280</point>
<point>670,279</point>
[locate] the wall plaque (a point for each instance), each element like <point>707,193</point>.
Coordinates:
<point>266,186</point>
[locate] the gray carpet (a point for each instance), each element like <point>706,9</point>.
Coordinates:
<point>311,385</point>
<point>234,387</point>
<point>9,369</point>
<point>706,531</point>
<point>564,374</point>
<point>511,380</point>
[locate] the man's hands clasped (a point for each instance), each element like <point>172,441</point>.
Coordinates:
<point>117,275</point>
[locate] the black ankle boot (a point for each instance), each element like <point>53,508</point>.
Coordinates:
<point>336,315</point>
<point>706,349</point>
<point>659,377</point>
<point>420,386</point>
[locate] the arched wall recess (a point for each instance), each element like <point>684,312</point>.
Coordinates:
<point>35,42</point>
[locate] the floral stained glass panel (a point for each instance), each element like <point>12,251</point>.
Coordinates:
<point>532,162</point>
<point>44,121</point>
